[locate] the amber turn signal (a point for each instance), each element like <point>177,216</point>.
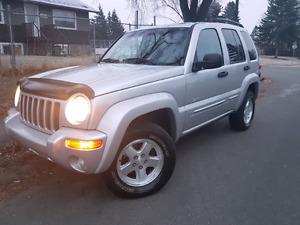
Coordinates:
<point>83,145</point>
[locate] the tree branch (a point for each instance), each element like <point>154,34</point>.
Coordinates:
<point>165,3</point>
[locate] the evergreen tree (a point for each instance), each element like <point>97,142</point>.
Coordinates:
<point>255,34</point>
<point>230,12</point>
<point>116,28</point>
<point>101,26</point>
<point>109,22</point>
<point>279,28</point>
<point>214,10</point>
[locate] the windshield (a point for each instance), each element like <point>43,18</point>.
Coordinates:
<point>166,46</point>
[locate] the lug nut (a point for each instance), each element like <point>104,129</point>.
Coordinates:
<point>135,157</point>
<point>140,167</point>
<point>143,155</point>
<point>134,164</point>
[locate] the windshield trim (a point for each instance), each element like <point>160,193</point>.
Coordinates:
<point>190,31</point>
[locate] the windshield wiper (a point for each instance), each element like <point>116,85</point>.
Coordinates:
<point>137,61</point>
<point>110,60</point>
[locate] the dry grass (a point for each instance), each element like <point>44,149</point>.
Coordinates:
<point>8,82</point>
<point>27,66</point>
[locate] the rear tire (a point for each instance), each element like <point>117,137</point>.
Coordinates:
<point>242,119</point>
<point>144,163</point>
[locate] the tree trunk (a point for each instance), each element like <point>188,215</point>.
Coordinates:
<point>186,14</point>
<point>203,10</point>
<point>194,13</point>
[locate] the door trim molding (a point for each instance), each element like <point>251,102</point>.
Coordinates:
<point>209,106</point>
<point>205,123</point>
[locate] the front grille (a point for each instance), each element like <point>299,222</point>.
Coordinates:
<point>39,112</point>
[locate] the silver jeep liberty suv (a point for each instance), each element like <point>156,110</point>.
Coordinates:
<point>123,116</point>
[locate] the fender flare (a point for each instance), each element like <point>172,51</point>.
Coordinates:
<point>117,119</point>
<point>249,80</point>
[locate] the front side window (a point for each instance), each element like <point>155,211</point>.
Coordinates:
<point>64,19</point>
<point>1,13</point>
<point>250,45</point>
<point>165,46</point>
<point>234,46</point>
<point>208,43</point>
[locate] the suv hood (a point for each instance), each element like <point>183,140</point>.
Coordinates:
<point>106,78</point>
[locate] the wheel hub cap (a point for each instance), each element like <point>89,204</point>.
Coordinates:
<point>248,111</point>
<point>140,162</point>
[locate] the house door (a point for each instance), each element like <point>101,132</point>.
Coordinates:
<point>32,16</point>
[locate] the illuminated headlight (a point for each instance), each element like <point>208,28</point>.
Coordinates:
<point>77,109</point>
<point>17,96</point>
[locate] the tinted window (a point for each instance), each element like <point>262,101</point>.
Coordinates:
<point>234,46</point>
<point>250,45</point>
<point>208,43</point>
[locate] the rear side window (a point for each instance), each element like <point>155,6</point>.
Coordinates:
<point>208,43</point>
<point>234,46</point>
<point>250,45</point>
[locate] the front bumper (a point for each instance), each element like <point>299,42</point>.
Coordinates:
<point>52,147</point>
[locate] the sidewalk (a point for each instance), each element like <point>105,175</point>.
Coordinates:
<point>280,61</point>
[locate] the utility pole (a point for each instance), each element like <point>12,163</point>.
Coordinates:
<point>154,21</point>
<point>237,6</point>
<point>12,42</point>
<point>137,19</point>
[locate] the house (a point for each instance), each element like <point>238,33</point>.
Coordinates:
<point>45,27</point>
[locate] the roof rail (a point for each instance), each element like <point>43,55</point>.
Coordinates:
<point>221,19</point>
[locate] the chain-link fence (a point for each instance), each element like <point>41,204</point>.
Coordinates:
<point>33,31</point>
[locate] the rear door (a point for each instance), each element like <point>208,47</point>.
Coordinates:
<point>251,53</point>
<point>238,66</point>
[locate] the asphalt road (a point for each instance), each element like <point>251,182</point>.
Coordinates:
<point>221,178</point>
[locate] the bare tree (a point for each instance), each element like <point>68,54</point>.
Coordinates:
<point>187,10</point>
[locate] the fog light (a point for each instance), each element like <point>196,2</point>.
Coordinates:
<point>77,164</point>
<point>84,145</point>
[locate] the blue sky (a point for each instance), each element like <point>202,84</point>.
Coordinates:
<point>251,11</point>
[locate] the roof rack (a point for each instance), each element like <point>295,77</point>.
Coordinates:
<point>221,19</point>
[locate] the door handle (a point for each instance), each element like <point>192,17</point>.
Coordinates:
<point>223,74</point>
<point>246,68</point>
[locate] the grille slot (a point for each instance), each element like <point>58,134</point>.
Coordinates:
<point>39,112</point>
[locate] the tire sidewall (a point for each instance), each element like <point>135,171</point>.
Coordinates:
<point>154,133</point>
<point>249,96</point>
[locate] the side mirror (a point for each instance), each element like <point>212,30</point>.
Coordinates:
<point>210,61</point>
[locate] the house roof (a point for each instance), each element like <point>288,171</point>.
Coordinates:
<point>74,4</point>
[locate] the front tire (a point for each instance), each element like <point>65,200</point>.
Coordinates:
<point>144,163</point>
<point>242,119</point>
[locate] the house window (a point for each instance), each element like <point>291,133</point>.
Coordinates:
<point>64,19</point>
<point>61,50</point>
<point>5,48</point>
<point>1,13</point>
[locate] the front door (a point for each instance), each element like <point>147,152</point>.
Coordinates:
<point>32,16</point>
<point>207,89</point>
